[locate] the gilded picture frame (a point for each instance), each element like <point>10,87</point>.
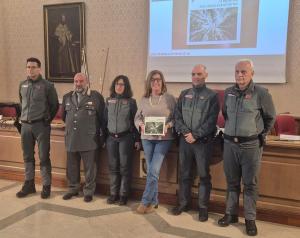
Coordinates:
<point>64,35</point>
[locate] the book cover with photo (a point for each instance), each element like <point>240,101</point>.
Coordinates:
<point>155,126</point>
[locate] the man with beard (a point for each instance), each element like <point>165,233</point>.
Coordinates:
<point>66,62</point>
<point>83,115</point>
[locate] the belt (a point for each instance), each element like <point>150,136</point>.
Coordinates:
<point>118,135</point>
<point>240,139</point>
<point>32,121</point>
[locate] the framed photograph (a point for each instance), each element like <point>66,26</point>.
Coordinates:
<point>64,39</point>
<point>155,126</point>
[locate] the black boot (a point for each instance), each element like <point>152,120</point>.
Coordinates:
<point>123,200</point>
<point>27,188</point>
<point>203,214</point>
<point>112,199</point>
<point>251,228</point>
<point>179,209</point>
<point>46,191</point>
<point>227,219</point>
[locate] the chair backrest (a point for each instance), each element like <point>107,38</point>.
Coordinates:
<point>221,120</point>
<point>58,115</point>
<point>220,97</point>
<point>285,124</point>
<point>8,111</point>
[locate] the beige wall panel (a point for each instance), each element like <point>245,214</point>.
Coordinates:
<point>121,26</point>
<point>3,82</point>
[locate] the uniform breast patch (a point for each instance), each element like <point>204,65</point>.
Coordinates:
<point>25,86</point>
<point>189,96</point>
<point>112,101</point>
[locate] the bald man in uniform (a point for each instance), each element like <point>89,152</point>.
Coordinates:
<point>249,115</point>
<point>83,115</point>
<point>196,116</point>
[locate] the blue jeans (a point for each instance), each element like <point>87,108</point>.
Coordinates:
<point>155,151</point>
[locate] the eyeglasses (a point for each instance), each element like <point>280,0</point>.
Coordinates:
<point>156,79</point>
<point>120,84</point>
<point>198,74</point>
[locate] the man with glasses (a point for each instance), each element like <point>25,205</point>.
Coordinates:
<point>39,104</point>
<point>83,115</point>
<point>249,115</point>
<point>196,116</point>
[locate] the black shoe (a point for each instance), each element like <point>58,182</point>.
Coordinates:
<point>112,199</point>
<point>179,209</point>
<point>88,198</point>
<point>27,188</point>
<point>227,219</point>
<point>123,200</point>
<point>251,228</point>
<point>155,206</point>
<point>203,214</point>
<point>68,196</point>
<point>46,191</point>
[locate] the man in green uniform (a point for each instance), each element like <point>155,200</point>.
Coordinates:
<point>196,116</point>
<point>249,115</point>
<point>39,104</point>
<point>83,111</point>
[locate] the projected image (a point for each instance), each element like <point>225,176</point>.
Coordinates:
<point>218,33</point>
<point>218,25</point>
<point>214,24</point>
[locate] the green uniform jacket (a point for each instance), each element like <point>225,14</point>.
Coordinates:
<point>197,111</point>
<point>119,116</point>
<point>38,100</point>
<point>248,113</point>
<point>84,121</point>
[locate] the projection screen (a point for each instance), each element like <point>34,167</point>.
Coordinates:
<point>217,33</point>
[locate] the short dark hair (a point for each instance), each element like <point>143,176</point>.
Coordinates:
<point>127,90</point>
<point>36,60</point>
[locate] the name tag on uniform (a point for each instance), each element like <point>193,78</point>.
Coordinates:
<point>25,86</point>
<point>67,104</point>
<point>89,103</point>
<point>112,101</point>
<point>231,95</point>
<point>202,97</point>
<point>125,102</point>
<point>189,96</point>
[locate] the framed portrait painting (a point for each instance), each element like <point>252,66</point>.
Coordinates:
<point>64,39</point>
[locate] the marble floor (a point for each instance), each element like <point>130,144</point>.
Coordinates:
<point>33,217</point>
